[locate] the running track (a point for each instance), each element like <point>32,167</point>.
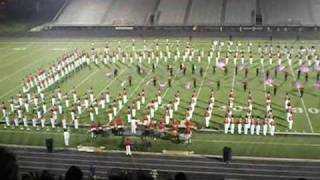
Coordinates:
<point>196,167</point>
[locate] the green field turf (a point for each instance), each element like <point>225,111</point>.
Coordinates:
<point>20,57</point>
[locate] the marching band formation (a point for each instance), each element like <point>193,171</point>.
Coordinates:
<point>34,107</point>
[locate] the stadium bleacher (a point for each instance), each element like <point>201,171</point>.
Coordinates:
<point>315,6</point>
<point>130,12</point>
<point>172,12</point>
<point>240,12</point>
<point>287,12</point>
<point>188,12</point>
<point>83,12</point>
<point>205,12</point>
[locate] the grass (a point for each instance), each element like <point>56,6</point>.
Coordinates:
<point>20,57</point>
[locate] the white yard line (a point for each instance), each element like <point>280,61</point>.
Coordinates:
<point>17,60</point>
<point>136,89</point>
<point>84,80</point>
<point>175,75</point>
<point>13,52</point>
<point>139,85</point>
<point>165,93</point>
<point>24,67</point>
<point>91,74</point>
<point>16,72</point>
<point>108,85</point>
<point>12,90</point>
<point>302,102</point>
<point>234,76</point>
<point>204,77</point>
<point>264,78</point>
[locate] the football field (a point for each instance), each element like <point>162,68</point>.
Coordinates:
<point>22,57</point>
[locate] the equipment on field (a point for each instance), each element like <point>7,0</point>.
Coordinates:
<point>49,145</point>
<point>227,154</point>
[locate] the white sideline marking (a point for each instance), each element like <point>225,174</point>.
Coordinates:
<point>302,101</point>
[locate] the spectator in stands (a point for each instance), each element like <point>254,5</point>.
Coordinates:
<point>74,173</point>
<point>8,165</point>
<point>46,175</point>
<point>26,177</point>
<point>180,176</point>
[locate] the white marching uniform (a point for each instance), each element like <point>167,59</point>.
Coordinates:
<point>76,123</point>
<point>159,99</point>
<point>133,111</point>
<point>232,127</point>
<point>207,120</point>
<point>52,123</point>
<point>129,117</point>
<point>34,122</point>
<point>110,116</point>
<point>125,99</point>
<point>66,136</point>
<point>143,99</point>
<point>64,123</point>
<point>290,123</point>
<point>167,118</point>
<point>43,122</point>
<point>119,104</point>
<point>16,122</point>
<point>258,129</point>
<point>114,110</point>
<point>252,129</point>
<point>239,128</point>
<point>265,129</point>
<point>246,128</point>
<point>96,110</point>
<point>138,103</point>
<point>175,106</point>
<point>133,126</point>
<point>7,121</point>
<point>128,150</point>
<point>91,116</point>
<point>272,130</point>
<point>171,113</point>
<point>25,122</point>
<point>226,127</point>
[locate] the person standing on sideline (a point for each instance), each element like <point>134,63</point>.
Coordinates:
<point>66,136</point>
<point>128,144</point>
